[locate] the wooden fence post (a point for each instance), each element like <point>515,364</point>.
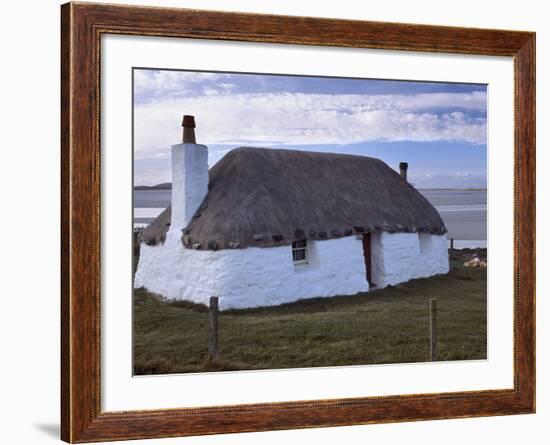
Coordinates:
<point>433,329</point>
<point>213,329</point>
<point>452,248</point>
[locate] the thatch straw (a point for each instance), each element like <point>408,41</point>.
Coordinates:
<point>271,197</point>
<point>156,231</point>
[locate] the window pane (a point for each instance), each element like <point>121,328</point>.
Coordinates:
<point>299,255</point>
<point>299,244</point>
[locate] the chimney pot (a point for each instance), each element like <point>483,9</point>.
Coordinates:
<point>188,125</point>
<point>403,166</point>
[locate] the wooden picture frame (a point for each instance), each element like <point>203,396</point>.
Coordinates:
<point>82,26</point>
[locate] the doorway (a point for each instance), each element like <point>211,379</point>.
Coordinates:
<point>367,253</point>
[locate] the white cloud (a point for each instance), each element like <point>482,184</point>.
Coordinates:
<point>299,119</point>
<point>155,84</point>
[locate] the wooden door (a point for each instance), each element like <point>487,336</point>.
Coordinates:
<point>367,255</point>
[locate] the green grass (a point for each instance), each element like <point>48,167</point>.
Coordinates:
<point>389,325</point>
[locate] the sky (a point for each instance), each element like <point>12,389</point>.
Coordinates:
<point>440,129</point>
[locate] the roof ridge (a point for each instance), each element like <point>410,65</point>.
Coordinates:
<point>294,150</point>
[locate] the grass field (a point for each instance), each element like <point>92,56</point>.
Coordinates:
<point>389,325</point>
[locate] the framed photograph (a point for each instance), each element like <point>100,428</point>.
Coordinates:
<point>275,222</point>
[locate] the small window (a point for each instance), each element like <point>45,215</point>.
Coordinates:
<point>425,241</point>
<point>299,252</point>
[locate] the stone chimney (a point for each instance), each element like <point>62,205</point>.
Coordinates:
<point>403,166</point>
<point>189,176</point>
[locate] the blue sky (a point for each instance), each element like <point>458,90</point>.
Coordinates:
<point>440,129</point>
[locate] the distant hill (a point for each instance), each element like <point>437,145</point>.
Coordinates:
<point>163,186</point>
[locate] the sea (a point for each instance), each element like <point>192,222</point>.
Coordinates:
<point>463,211</point>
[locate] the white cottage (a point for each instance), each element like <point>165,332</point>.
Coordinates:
<point>269,226</point>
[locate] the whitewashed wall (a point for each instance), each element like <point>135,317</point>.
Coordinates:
<point>267,276</point>
<point>399,257</point>
<point>189,182</point>
<point>254,276</point>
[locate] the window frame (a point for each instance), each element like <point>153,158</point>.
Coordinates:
<point>295,248</point>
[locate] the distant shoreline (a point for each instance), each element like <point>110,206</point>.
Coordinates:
<point>467,189</point>
<point>168,186</point>
<point>163,186</point>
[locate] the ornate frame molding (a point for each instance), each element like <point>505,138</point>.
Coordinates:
<point>82,25</point>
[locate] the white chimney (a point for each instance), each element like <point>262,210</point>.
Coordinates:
<point>189,176</point>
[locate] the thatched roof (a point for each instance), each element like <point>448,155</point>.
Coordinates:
<point>270,197</point>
